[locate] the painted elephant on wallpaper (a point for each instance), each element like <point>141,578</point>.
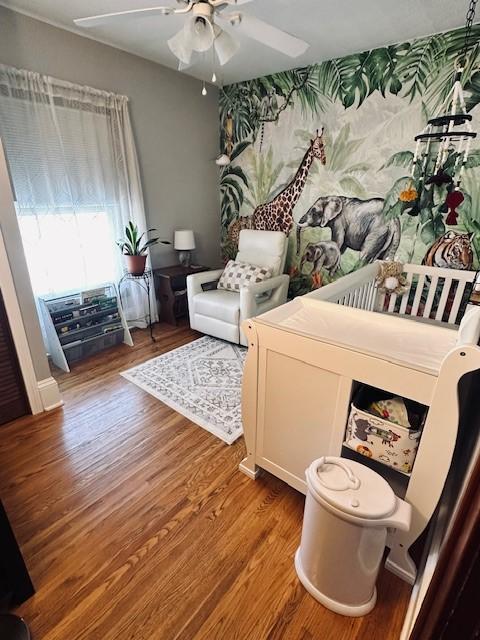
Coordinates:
<point>356,224</point>
<point>323,255</point>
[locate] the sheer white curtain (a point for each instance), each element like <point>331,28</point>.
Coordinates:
<point>76,180</point>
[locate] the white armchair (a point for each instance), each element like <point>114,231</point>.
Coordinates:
<point>220,313</point>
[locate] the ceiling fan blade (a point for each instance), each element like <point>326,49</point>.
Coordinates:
<point>119,16</point>
<point>181,46</point>
<point>225,46</point>
<point>267,34</point>
<point>221,4</point>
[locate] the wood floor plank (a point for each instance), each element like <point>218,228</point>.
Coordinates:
<point>136,524</point>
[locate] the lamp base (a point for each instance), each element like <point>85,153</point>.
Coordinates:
<point>185,258</point>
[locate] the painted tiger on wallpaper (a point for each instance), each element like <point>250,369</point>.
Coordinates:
<point>453,250</point>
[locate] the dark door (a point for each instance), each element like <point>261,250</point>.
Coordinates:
<point>13,399</point>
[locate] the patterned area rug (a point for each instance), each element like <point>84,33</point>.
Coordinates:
<point>201,380</point>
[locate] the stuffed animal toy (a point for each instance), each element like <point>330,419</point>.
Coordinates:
<point>390,278</point>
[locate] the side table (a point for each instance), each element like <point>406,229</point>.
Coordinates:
<point>171,290</point>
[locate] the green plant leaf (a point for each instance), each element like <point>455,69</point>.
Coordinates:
<point>400,159</point>
<point>239,148</point>
<point>473,159</point>
<point>393,194</point>
<point>427,233</point>
<point>352,187</point>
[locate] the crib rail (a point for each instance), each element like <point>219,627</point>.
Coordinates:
<point>438,294</point>
<point>357,289</point>
<point>432,292</point>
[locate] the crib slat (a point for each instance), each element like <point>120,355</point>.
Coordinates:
<point>363,297</point>
<point>355,298</point>
<point>430,296</point>
<point>406,295</point>
<point>418,294</point>
<point>452,318</point>
<point>381,301</point>
<point>391,305</point>
<point>372,296</point>
<point>443,299</point>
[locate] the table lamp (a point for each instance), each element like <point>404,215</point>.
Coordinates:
<point>184,243</point>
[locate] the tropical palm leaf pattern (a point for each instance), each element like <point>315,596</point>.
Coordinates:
<point>371,104</point>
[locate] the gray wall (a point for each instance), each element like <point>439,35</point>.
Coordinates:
<point>175,127</point>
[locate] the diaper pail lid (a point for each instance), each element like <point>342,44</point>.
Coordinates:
<point>351,487</point>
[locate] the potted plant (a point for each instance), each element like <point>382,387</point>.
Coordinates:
<point>134,248</point>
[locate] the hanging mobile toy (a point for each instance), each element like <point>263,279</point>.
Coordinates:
<point>453,200</point>
<point>447,137</point>
<point>409,194</point>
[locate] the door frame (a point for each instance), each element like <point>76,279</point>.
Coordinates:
<point>450,609</point>
<point>17,329</point>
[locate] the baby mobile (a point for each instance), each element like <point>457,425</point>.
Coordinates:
<point>442,149</point>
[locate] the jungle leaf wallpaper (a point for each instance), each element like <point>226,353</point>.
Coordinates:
<point>324,153</point>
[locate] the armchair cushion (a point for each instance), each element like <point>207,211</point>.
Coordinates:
<point>240,274</point>
<point>263,248</point>
<point>218,304</point>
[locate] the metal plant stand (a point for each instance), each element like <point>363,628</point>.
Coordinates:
<point>144,282</point>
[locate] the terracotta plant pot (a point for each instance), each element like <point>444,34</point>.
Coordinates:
<point>135,264</point>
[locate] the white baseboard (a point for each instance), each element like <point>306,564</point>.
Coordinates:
<point>49,394</point>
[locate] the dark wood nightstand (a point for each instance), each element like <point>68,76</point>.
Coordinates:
<point>171,290</point>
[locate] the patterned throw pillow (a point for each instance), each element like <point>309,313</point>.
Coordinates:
<point>240,274</point>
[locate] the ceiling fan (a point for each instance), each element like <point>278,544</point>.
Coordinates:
<point>203,29</point>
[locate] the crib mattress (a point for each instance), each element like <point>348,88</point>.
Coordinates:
<point>401,340</point>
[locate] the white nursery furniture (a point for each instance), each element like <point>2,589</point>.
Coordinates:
<point>219,313</point>
<point>307,358</point>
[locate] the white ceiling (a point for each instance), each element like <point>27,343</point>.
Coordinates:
<point>333,28</point>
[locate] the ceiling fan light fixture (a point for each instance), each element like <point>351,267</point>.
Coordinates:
<point>181,47</point>
<point>235,19</point>
<point>225,47</point>
<point>201,34</point>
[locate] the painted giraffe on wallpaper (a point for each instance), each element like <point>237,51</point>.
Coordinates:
<point>277,215</point>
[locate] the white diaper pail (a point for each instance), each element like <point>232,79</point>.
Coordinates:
<point>347,511</point>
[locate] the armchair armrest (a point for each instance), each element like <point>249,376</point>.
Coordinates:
<point>194,287</point>
<point>195,280</point>
<point>248,303</point>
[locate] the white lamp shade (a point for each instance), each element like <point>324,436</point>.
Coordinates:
<point>200,33</point>
<point>225,46</point>
<point>181,46</point>
<point>184,240</point>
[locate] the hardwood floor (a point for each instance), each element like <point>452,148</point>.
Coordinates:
<point>137,524</point>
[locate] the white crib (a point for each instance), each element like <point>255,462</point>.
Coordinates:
<point>306,359</point>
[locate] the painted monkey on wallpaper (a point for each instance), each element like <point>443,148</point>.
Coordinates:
<point>355,224</point>
<point>276,215</point>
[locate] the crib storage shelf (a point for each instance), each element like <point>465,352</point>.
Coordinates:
<point>380,438</point>
<point>83,323</point>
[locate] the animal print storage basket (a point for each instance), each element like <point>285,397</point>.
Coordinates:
<point>381,440</point>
